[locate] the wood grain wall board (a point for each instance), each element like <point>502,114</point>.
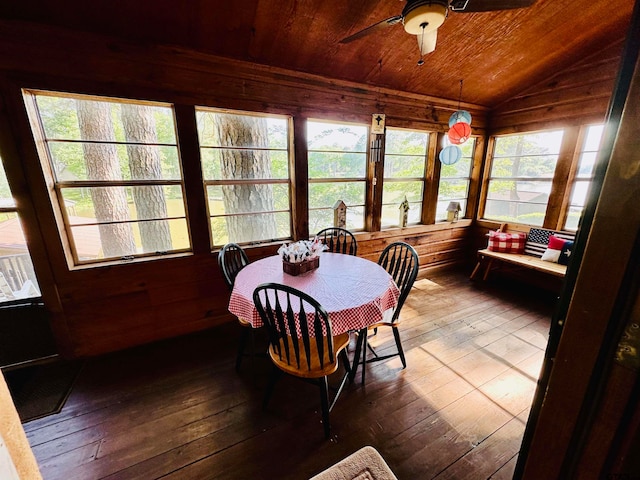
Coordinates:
<point>579,93</point>
<point>191,77</point>
<point>567,157</point>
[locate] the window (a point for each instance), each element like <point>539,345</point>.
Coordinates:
<point>404,164</point>
<point>245,166</point>
<point>584,175</point>
<point>521,174</point>
<point>17,277</point>
<point>116,175</point>
<point>454,181</point>
<point>337,171</point>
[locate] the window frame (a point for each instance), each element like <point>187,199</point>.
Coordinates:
<point>366,180</point>
<point>422,179</point>
<point>468,179</point>
<point>273,181</point>
<point>551,180</point>
<point>56,187</point>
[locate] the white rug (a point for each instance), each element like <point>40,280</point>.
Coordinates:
<point>365,464</point>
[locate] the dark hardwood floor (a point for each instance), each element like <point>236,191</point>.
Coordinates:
<point>178,410</point>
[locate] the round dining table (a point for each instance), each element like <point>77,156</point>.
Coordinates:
<point>356,292</point>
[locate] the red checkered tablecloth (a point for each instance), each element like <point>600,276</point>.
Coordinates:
<point>355,292</point>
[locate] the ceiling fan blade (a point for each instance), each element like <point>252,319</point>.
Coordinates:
<point>469,6</point>
<point>372,28</point>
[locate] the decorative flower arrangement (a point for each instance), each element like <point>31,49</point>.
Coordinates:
<point>302,250</point>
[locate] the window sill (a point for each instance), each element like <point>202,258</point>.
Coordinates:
<point>136,261</point>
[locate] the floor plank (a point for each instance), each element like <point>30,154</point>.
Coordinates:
<point>178,409</point>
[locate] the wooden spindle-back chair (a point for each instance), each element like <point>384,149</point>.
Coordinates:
<point>301,342</point>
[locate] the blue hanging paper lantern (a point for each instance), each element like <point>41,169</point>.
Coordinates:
<point>459,116</point>
<point>450,155</point>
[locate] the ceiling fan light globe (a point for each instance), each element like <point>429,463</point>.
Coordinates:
<point>427,41</point>
<point>425,17</point>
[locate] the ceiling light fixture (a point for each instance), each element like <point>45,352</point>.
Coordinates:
<point>422,19</point>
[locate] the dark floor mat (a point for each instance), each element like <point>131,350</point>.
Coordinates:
<point>41,390</point>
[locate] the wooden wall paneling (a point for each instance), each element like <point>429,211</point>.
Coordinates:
<point>569,149</point>
<point>564,99</point>
<point>432,174</point>
<point>372,185</point>
<point>576,95</point>
<point>194,190</point>
<point>300,188</point>
<point>473,195</point>
<point>20,190</point>
<point>184,76</point>
<point>566,189</point>
<point>23,165</point>
<point>439,244</point>
<point>375,182</point>
<point>126,305</point>
<point>486,175</point>
<point>580,115</point>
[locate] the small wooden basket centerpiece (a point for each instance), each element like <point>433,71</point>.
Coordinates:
<point>301,257</point>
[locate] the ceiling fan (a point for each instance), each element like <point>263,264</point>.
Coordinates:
<point>423,17</point>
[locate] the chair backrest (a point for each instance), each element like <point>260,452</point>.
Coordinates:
<point>299,327</point>
<point>339,240</point>
<point>231,260</point>
<point>401,261</point>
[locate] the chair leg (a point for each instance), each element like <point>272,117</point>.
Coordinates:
<point>244,336</point>
<point>396,334</point>
<point>275,375</point>
<point>252,351</point>
<point>356,357</point>
<point>364,356</point>
<point>324,400</point>
<point>486,270</point>
<point>476,269</point>
<point>345,361</point>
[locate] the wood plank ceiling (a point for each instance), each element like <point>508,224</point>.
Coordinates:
<point>498,54</point>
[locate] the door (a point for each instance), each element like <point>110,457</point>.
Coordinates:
<point>25,334</point>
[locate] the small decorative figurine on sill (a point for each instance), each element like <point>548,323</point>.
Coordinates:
<point>340,214</point>
<point>453,211</point>
<point>404,212</point>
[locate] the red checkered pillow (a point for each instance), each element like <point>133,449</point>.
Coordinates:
<point>507,242</point>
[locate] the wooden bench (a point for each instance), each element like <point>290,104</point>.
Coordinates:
<point>535,246</point>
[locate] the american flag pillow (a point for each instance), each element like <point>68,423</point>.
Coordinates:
<point>507,242</point>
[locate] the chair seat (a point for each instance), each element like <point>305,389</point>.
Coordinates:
<point>383,324</point>
<point>244,323</point>
<point>340,342</point>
